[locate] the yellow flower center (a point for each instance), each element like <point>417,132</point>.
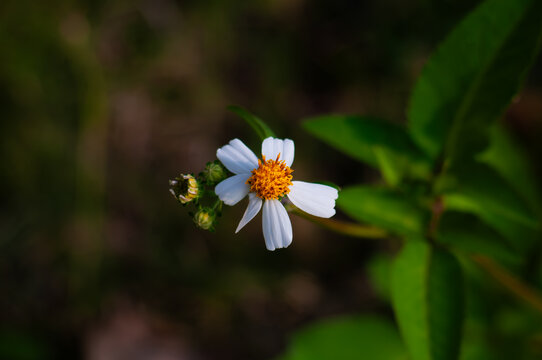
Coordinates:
<point>271,180</point>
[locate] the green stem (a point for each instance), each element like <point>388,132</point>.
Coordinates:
<point>342,227</point>
<point>218,204</point>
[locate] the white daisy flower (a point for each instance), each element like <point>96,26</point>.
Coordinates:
<point>266,181</point>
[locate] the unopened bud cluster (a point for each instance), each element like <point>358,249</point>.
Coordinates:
<point>189,190</point>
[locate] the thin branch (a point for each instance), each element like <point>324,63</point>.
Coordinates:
<point>342,227</point>
<point>510,282</point>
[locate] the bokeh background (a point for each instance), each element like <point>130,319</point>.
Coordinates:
<point>101,102</point>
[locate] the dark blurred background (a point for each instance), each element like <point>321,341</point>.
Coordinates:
<point>101,102</point>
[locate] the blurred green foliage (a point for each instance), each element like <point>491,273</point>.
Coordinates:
<point>468,206</point>
<point>354,337</point>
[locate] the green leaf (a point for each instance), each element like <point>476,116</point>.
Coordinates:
<point>257,124</point>
<point>383,145</point>
<point>476,347</point>
<point>507,158</point>
<point>469,234</point>
<point>348,337</point>
<point>427,294</point>
<point>472,77</point>
<point>379,273</point>
<point>480,309</point>
<point>383,207</point>
<point>481,191</point>
<point>390,166</point>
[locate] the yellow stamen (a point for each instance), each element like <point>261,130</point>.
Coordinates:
<point>271,180</point>
<point>191,190</point>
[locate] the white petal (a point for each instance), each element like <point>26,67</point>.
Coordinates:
<point>315,199</point>
<point>245,151</point>
<point>288,152</point>
<point>271,147</point>
<point>285,224</point>
<point>233,189</point>
<point>237,157</point>
<point>253,208</point>
<point>267,226</point>
<point>277,228</point>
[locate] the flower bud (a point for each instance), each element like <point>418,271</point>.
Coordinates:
<point>204,218</point>
<point>184,188</point>
<point>214,172</point>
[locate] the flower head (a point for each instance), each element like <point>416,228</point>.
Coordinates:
<point>184,188</point>
<point>266,181</point>
<point>271,179</point>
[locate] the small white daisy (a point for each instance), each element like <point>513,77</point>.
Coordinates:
<point>266,181</point>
